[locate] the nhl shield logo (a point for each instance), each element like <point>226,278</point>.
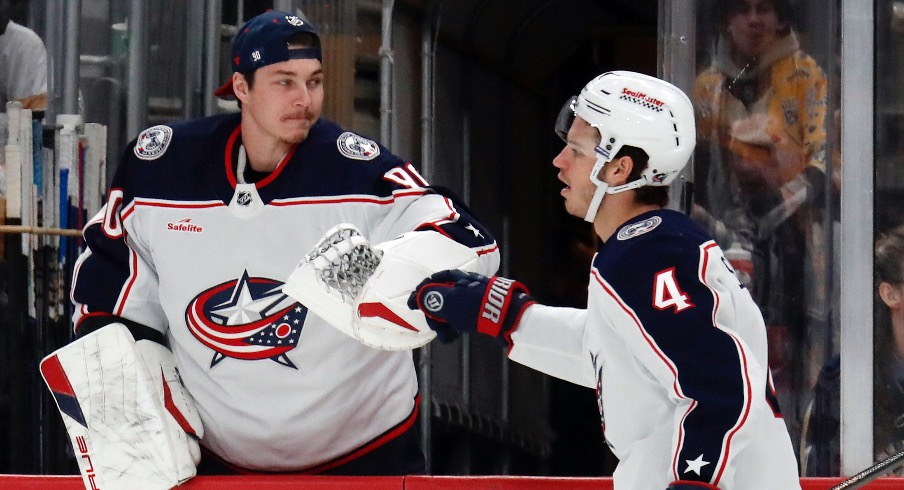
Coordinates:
<point>244,198</point>
<point>152,142</point>
<point>357,147</point>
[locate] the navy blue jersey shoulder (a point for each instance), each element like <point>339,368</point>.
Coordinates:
<point>191,156</point>
<point>197,162</point>
<point>655,240</point>
<point>322,168</point>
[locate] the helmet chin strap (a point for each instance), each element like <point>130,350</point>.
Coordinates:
<point>602,188</point>
<point>598,196</point>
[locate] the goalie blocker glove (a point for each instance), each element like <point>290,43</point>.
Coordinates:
<point>455,301</point>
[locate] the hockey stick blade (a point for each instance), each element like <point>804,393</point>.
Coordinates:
<point>871,473</point>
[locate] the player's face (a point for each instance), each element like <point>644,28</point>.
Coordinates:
<point>286,99</point>
<point>575,162</point>
<point>753,27</point>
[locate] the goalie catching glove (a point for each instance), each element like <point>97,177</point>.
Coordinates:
<point>362,289</point>
<point>455,301</point>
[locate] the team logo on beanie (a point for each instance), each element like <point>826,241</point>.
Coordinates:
<point>152,142</point>
<point>357,147</point>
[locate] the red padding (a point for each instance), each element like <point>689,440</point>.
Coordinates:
<point>275,482</point>
<point>505,483</point>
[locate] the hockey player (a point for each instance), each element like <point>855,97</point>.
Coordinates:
<point>671,340</point>
<point>204,221</point>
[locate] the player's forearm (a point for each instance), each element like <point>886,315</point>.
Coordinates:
<point>551,340</point>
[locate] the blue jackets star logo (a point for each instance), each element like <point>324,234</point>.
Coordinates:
<point>695,465</point>
<point>247,318</point>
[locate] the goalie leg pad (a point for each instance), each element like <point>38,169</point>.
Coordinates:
<point>131,421</point>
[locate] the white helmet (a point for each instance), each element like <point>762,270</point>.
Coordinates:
<point>637,110</point>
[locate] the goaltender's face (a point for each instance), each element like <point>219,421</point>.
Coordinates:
<point>285,100</point>
<point>575,162</point>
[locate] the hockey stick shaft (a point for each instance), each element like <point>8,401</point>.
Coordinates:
<point>871,473</point>
<point>37,230</point>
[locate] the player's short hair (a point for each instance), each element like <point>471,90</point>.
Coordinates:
<point>647,194</point>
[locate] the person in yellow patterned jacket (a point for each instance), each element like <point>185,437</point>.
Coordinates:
<point>760,170</point>
<point>763,98</point>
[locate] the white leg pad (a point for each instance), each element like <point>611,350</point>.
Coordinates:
<point>131,421</point>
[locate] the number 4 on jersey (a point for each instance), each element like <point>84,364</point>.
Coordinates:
<point>667,293</point>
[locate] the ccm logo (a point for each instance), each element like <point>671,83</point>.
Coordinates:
<point>89,471</point>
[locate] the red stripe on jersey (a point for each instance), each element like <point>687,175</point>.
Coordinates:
<point>608,289</point>
<point>375,443</point>
<point>747,404</point>
<point>433,226</point>
<point>346,199</point>
<point>417,176</point>
<point>279,167</point>
<point>453,214</point>
<point>227,156</point>
<point>485,251</point>
<point>175,204</point>
<point>85,315</point>
<point>379,441</point>
<point>704,265</point>
<point>675,473</point>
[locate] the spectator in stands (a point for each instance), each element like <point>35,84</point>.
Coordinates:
<point>760,172</point>
<point>820,448</point>
<point>22,48</point>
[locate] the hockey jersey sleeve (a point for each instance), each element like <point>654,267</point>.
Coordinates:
<point>421,207</point>
<point>685,317</point>
<point>552,340</point>
<point>114,276</point>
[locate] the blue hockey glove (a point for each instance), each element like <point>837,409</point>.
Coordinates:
<point>455,301</point>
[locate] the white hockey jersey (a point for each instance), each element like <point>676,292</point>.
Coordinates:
<point>676,350</point>
<point>184,248</point>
